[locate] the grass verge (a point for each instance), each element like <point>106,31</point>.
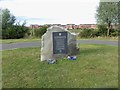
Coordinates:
<point>100,38</point>
<point>96,66</point>
<point>7,41</point>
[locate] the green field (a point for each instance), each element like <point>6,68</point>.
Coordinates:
<point>96,66</point>
<point>8,41</point>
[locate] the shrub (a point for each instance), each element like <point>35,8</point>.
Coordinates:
<point>88,33</point>
<point>19,31</point>
<point>102,30</point>
<point>40,31</point>
<point>114,32</point>
<point>28,33</point>
<point>14,32</point>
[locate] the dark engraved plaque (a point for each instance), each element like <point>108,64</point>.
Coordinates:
<point>59,42</point>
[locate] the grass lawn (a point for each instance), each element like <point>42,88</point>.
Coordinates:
<point>19,40</point>
<point>96,66</point>
<point>100,38</point>
<point>8,41</point>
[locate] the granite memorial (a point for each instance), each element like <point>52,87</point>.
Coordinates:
<point>57,42</point>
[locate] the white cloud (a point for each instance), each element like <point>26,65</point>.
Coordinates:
<point>55,11</point>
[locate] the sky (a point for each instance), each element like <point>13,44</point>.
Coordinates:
<point>52,11</point>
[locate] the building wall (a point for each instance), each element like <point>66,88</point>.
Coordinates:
<point>35,26</point>
<point>90,26</point>
<point>69,26</point>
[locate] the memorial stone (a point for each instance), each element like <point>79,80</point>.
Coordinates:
<point>57,42</point>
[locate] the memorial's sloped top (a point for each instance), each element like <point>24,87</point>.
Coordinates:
<point>57,28</point>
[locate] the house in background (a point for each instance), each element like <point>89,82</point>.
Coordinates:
<point>35,26</point>
<point>56,24</point>
<point>64,26</point>
<point>93,26</point>
<point>89,26</point>
<point>68,26</point>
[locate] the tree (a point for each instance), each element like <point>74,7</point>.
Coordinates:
<point>20,30</point>
<point>7,22</point>
<point>10,28</point>
<point>119,15</point>
<point>107,13</point>
<point>102,30</point>
<point>0,23</point>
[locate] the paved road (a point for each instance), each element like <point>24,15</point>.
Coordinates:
<point>37,44</point>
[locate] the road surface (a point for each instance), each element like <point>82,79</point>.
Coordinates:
<point>37,44</point>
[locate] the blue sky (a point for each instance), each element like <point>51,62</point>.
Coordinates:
<point>53,11</point>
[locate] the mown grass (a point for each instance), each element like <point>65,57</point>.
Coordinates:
<point>100,38</point>
<point>8,41</point>
<point>96,66</point>
<point>0,70</point>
